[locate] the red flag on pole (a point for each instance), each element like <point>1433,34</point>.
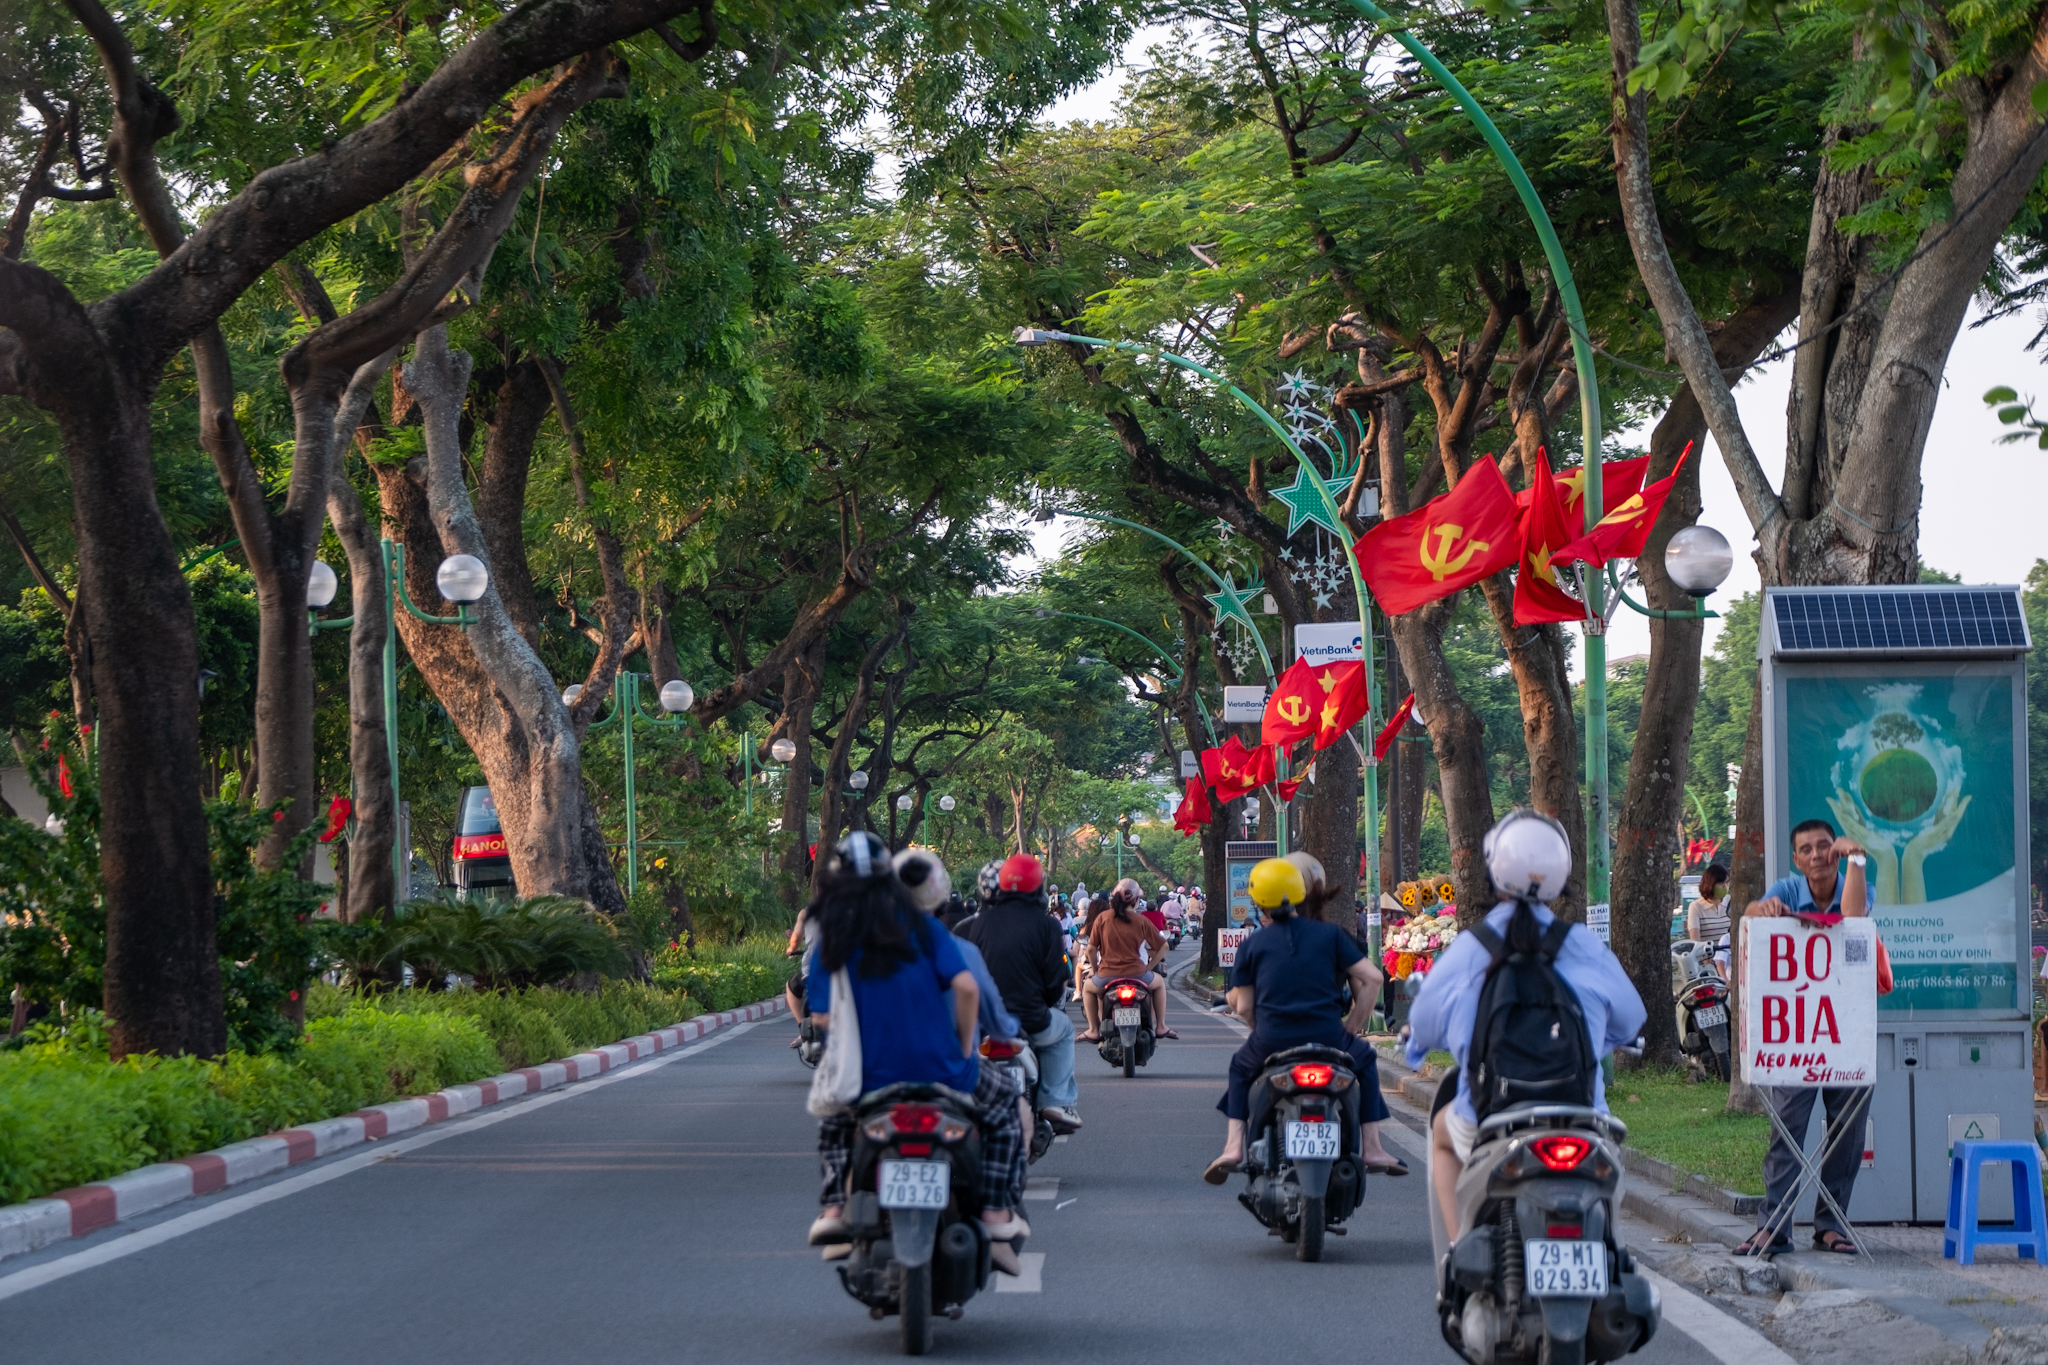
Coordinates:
<point>1450,542</point>
<point>1261,764</point>
<point>1343,700</point>
<point>1195,810</point>
<point>1291,710</point>
<point>1618,479</point>
<point>1622,532</point>
<point>1393,727</point>
<point>1224,770</point>
<point>1538,595</point>
<point>1288,788</point>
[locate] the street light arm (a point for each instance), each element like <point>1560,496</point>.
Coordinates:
<point>461,618</point>
<point>1698,613</point>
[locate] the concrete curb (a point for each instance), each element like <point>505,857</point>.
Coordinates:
<point>75,1212</point>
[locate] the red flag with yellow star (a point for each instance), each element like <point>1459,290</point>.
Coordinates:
<point>1224,770</point>
<point>1450,542</point>
<point>1622,532</point>
<point>1291,710</point>
<point>1538,595</point>
<point>1343,702</point>
<point>1618,480</point>
<point>1194,810</point>
<point>1261,764</point>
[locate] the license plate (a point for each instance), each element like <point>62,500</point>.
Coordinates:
<point>915,1184</point>
<point>1711,1016</point>
<point>1127,1017</point>
<point>1565,1270</point>
<point>1313,1141</point>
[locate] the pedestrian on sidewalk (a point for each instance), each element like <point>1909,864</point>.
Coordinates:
<point>1828,885</point>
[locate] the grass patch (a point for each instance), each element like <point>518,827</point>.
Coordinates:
<point>1689,1126</point>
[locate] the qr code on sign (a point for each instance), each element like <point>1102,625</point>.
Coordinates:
<point>1856,951</point>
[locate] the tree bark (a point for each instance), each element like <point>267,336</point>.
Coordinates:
<point>803,679</point>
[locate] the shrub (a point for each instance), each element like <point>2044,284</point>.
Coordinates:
<point>498,943</point>
<point>723,978</point>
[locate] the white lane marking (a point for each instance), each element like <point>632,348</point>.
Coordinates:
<point>21,1281</point>
<point>1032,1263</point>
<point>1063,1137</point>
<point>1042,1187</point>
<point>1064,1202</point>
<point>1396,1135</point>
<point>1728,1339</point>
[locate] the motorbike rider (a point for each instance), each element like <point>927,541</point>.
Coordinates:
<point>1529,857</point>
<point>1288,984</point>
<point>919,1007</point>
<point>1113,943</point>
<point>1027,959</point>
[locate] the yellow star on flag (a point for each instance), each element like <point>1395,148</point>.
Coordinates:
<point>1328,680</point>
<point>1575,485</point>
<point>1540,562</point>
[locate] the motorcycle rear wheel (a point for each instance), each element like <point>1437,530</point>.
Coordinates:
<point>916,1309</point>
<point>1130,1061</point>
<point>1555,1352</point>
<point>1309,1245</point>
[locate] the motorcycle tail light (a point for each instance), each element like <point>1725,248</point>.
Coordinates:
<point>915,1118</point>
<point>914,1148</point>
<point>1561,1151</point>
<point>878,1129</point>
<point>1566,1230</point>
<point>1127,993</point>
<point>999,1049</point>
<point>952,1130</point>
<point>1314,1074</point>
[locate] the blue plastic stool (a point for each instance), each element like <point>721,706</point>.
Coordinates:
<point>2029,1231</point>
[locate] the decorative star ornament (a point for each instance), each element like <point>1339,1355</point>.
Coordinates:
<point>1231,601</point>
<point>1305,504</point>
<point>1294,382</point>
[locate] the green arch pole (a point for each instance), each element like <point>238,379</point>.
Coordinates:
<point>1589,409</point>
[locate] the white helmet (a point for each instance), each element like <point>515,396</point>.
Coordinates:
<point>924,878</point>
<point>1528,855</point>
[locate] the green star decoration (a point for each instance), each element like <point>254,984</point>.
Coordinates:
<point>1230,602</point>
<point>1305,504</point>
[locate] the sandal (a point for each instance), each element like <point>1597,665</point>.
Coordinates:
<point>1166,1033</point>
<point>1385,1168</point>
<point>1756,1245</point>
<point>1831,1240</point>
<point>1087,1037</point>
<point>1221,1169</point>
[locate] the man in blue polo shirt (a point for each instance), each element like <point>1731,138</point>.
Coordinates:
<point>1829,882</point>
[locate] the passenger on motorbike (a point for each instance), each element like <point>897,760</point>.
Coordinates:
<point>1288,984</point>
<point>1113,944</point>
<point>1528,856</point>
<point>919,1009</point>
<point>1027,958</point>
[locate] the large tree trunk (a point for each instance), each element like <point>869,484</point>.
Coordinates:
<point>803,679</point>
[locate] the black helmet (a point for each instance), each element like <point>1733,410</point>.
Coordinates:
<point>858,858</point>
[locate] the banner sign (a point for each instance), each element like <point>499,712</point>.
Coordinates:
<point>1227,941</point>
<point>1244,705</point>
<point>1328,642</point>
<point>1809,1003</point>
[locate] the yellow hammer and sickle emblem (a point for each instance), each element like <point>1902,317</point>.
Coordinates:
<point>1626,512</point>
<point>1223,767</point>
<point>1442,563</point>
<point>1328,680</point>
<point>1292,709</point>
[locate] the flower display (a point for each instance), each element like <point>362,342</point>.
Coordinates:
<point>1411,947</point>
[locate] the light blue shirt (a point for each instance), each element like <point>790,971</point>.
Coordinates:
<point>1444,1015</point>
<point>1794,891</point>
<point>996,1022</point>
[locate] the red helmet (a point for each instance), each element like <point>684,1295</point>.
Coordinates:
<point>1021,872</point>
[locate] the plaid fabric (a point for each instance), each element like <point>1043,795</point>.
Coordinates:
<point>1003,1158</point>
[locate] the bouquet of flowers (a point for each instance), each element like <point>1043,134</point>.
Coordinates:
<point>1412,947</point>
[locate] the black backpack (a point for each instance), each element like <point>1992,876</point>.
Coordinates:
<point>1529,1039</point>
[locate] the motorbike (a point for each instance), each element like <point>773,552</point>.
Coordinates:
<point>1127,1008</point>
<point>1176,930</point>
<point>810,1038</point>
<point>1302,1147</point>
<point>1016,1056</point>
<point>1541,1277</point>
<point>1702,1005</point>
<point>918,1248</point>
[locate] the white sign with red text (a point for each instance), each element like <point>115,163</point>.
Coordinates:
<point>1227,941</point>
<point>1809,1003</point>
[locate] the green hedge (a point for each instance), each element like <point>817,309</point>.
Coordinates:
<point>723,978</point>
<point>532,1026</point>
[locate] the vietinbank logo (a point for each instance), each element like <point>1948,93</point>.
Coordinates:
<point>1328,642</point>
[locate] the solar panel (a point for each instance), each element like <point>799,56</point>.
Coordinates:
<point>1905,620</point>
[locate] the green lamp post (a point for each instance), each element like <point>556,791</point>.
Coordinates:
<point>676,698</point>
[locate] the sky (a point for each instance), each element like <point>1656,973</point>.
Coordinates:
<point>1981,502</point>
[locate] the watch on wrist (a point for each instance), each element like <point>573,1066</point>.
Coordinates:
<point>1858,860</point>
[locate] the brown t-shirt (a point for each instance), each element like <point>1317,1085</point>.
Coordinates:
<point>1117,942</point>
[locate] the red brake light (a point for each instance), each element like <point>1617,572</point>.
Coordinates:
<point>1127,993</point>
<point>1000,1049</point>
<point>925,1149</point>
<point>1314,1074</point>
<point>1561,1151</point>
<point>1567,1230</point>
<point>914,1118</point>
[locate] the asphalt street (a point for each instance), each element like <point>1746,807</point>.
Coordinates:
<point>657,1215</point>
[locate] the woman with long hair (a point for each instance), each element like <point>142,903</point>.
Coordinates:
<point>1113,946</point>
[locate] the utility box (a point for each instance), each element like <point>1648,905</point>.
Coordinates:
<point>1898,715</point>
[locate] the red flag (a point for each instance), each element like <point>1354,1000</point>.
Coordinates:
<point>1618,479</point>
<point>1261,764</point>
<point>1343,700</point>
<point>1538,595</point>
<point>1195,810</point>
<point>1288,788</point>
<point>1393,727</point>
<point>1621,533</point>
<point>1224,770</point>
<point>1448,543</point>
<point>338,812</point>
<point>1291,710</point>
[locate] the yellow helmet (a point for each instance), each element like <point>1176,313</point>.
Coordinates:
<point>1276,883</point>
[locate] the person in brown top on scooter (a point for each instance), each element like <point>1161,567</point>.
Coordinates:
<point>1113,945</point>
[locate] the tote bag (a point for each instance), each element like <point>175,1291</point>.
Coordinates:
<point>835,1085</point>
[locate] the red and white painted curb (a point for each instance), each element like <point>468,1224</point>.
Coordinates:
<point>76,1212</point>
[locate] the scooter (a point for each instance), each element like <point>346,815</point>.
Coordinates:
<point>1126,1007</point>
<point>1540,1277</point>
<point>1016,1056</point>
<point>918,1248</point>
<point>1302,1149</point>
<point>1176,930</point>
<point>810,1038</point>
<point>1702,1006</point>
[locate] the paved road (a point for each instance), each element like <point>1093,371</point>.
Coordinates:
<point>657,1215</point>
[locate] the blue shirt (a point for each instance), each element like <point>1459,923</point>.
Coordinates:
<point>1295,969</point>
<point>1444,1015</point>
<point>996,1022</point>
<point>906,1018</point>
<point>1794,891</point>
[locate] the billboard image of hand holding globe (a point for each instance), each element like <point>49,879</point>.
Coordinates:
<point>1919,771</point>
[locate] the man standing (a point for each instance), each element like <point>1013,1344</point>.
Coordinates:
<point>1027,957</point>
<point>1824,888</point>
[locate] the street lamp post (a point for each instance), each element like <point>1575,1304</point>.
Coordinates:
<point>676,698</point>
<point>462,579</point>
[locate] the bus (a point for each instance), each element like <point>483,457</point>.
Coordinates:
<point>480,859</point>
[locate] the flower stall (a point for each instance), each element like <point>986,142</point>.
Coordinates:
<point>1411,947</point>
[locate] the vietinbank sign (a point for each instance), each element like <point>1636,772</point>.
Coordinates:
<point>1809,1002</point>
<point>1328,642</point>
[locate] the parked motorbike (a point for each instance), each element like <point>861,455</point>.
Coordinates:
<point>1127,1009</point>
<point>1540,1277</point>
<point>1302,1149</point>
<point>1017,1057</point>
<point>918,1247</point>
<point>1702,1006</point>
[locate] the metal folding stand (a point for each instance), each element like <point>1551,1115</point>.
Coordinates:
<point>1810,1169</point>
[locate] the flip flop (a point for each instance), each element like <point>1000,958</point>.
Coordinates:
<point>1166,1033</point>
<point>1385,1168</point>
<point>1087,1037</point>
<point>1835,1242</point>
<point>1755,1245</point>
<point>1220,1170</point>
